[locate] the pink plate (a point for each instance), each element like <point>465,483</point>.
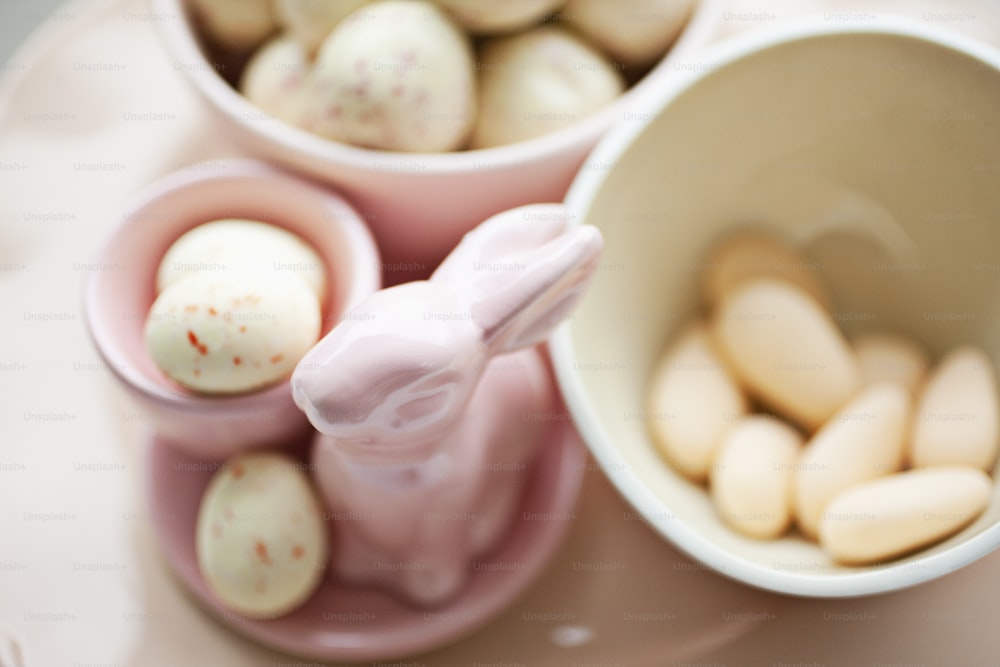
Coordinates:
<point>341,623</point>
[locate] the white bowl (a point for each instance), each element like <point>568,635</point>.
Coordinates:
<point>876,148</point>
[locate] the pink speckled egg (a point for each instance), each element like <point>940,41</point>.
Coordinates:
<point>235,25</point>
<point>242,245</point>
<point>260,538</point>
<point>634,32</point>
<point>539,81</point>
<point>275,78</point>
<point>493,17</point>
<point>395,75</point>
<point>310,21</point>
<point>231,332</point>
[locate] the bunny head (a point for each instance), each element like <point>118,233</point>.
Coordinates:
<point>390,381</point>
<point>393,376</point>
<point>521,272</point>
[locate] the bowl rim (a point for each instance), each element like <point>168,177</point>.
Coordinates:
<point>366,279</point>
<point>182,46</point>
<point>582,192</point>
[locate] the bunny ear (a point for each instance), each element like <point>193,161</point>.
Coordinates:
<point>505,234</point>
<point>521,272</point>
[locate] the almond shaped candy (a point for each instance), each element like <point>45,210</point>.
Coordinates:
<point>752,478</point>
<point>863,441</point>
<point>957,413</point>
<point>261,541</point>
<point>787,350</point>
<point>748,256</point>
<point>692,401</point>
<point>892,516</point>
<point>888,357</point>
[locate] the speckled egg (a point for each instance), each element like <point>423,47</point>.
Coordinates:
<point>634,32</point>
<point>395,75</point>
<point>261,540</point>
<point>493,17</point>
<point>231,332</point>
<point>275,77</point>
<point>235,25</point>
<point>242,245</point>
<point>539,81</point>
<point>311,21</point>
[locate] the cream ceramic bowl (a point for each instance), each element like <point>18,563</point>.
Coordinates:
<point>876,148</point>
<point>419,205</point>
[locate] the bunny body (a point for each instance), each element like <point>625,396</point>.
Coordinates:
<point>432,399</point>
<point>415,528</point>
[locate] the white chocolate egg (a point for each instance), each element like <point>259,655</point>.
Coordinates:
<point>748,256</point>
<point>481,17</point>
<point>634,32</point>
<point>888,357</point>
<point>242,246</point>
<point>311,21</point>
<point>275,79</point>
<point>957,420</point>
<point>787,350</point>
<point>864,440</point>
<point>539,81</point>
<point>231,332</point>
<point>235,25</point>
<point>692,401</point>
<point>261,540</point>
<point>892,516</point>
<point>753,475</point>
<point>395,75</point>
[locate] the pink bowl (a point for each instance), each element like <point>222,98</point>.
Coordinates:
<point>419,205</point>
<point>344,623</point>
<point>117,299</point>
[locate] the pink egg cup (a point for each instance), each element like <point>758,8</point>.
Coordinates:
<point>117,299</point>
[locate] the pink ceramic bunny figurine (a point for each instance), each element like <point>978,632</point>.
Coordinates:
<point>431,400</point>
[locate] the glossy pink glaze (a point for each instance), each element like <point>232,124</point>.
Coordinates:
<point>430,416</point>
<point>116,301</point>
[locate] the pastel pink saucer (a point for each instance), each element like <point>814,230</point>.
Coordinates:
<point>341,623</point>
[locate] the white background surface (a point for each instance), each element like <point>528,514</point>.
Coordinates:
<point>18,18</point>
<point>81,582</point>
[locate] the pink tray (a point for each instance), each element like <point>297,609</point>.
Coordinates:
<point>341,623</point>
